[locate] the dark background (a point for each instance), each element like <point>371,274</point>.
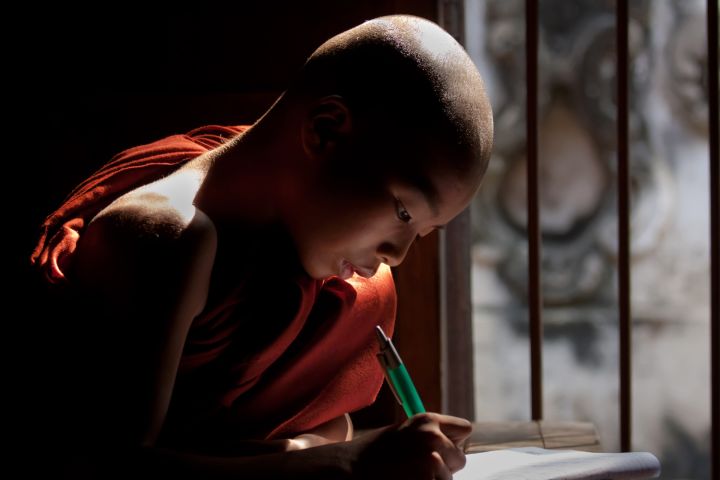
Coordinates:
<point>90,84</point>
<point>83,85</point>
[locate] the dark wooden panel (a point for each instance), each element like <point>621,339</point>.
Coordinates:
<point>457,367</point>
<point>458,380</point>
<point>246,46</point>
<point>417,334</point>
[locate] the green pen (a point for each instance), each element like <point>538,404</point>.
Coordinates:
<point>397,376</point>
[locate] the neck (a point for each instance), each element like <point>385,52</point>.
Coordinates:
<point>245,178</point>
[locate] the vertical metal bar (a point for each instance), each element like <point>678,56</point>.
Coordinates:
<point>623,179</point>
<point>533,205</point>
<point>714,121</point>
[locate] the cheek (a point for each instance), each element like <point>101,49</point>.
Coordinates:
<point>339,219</point>
<point>334,221</point>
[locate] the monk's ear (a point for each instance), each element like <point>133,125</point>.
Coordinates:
<point>327,124</point>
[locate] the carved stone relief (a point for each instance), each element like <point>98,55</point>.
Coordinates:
<point>577,147</point>
<point>578,163</point>
<point>687,75</point>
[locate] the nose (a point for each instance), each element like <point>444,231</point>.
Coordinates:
<point>394,252</point>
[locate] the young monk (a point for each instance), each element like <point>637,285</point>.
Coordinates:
<point>221,288</point>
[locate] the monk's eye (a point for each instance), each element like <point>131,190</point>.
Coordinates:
<point>402,212</point>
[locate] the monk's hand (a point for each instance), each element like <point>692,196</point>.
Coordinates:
<point>425,446</point>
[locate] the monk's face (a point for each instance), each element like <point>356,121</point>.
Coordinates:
<point>350,225</point>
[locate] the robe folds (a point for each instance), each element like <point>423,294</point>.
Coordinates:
<point>276,355</point>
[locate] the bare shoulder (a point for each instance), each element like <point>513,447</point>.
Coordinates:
<point>162,210</point>
<point>151,226</point>
<point>147,240</point>
<point>150,220</point>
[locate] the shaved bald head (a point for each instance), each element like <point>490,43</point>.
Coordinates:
<point>382,138</point>
<point>412,90</point>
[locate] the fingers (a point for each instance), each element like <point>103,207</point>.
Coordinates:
<point>418,447</point>
<point>440,468</point>
<point>452,456</point>
<point>455,428</point>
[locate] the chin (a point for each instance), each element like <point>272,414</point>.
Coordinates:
<point>316,275</point>
<point>315,272</point>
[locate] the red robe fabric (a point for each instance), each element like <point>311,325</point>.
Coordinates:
<point>281,354</point>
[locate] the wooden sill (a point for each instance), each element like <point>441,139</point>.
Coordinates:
<point>544,434</point>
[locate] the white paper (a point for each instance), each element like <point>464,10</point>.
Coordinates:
<point>536,463</point>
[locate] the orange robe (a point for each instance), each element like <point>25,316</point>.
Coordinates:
<point>280,354</point>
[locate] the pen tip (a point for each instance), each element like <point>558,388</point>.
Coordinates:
<point>382,338</point>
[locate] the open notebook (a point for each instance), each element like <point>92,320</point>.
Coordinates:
<point>536,463</point>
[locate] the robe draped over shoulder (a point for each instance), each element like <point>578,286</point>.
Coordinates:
<point>278,355</point>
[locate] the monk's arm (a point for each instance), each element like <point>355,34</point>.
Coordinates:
<point>140,278</point>
<point>425,446</point>
<point>146,282</point>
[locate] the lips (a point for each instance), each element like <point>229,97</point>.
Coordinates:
<point>349,268</point>
<point>346,270</point>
